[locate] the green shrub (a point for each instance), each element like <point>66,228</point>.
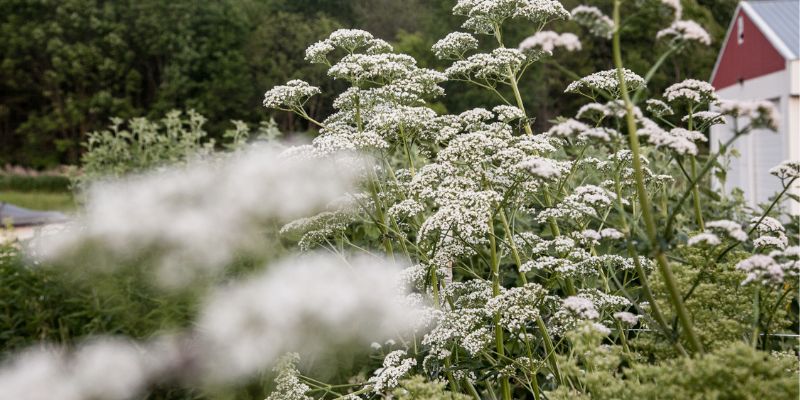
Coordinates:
<point>40,183</point>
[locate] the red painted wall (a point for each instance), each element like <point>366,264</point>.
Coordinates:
<point>753,58</point>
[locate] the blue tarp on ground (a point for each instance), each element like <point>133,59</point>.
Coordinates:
<point>19,216</point>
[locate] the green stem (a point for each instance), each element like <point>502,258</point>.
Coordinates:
<point>498,330</point>
<point>698,214</point>
<point>548,342</point>
<point>756,318</point>
<point>644,202</point>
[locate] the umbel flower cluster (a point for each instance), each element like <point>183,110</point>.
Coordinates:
<point>517,237</point>
<point>550,264</point>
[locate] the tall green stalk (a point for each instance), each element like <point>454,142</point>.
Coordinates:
<point>644,201</point>
<point>498,330</point>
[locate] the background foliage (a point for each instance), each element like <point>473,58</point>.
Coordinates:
<point>67,67</point>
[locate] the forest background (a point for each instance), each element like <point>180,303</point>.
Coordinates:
<point>68,66</point>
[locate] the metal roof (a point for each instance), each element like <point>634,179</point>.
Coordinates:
<point>779,20</point>
<point>19,216</point>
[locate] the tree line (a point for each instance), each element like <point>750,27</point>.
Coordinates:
<point>68,66</point>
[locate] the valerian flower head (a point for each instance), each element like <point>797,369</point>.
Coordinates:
<point>679,140</point>
<point>760,113</point>
<point>704,239</point>
<point>484,16</point>
<point>761,268</point>
<point>287,385</point>
<point>627,318</point>
<point>787,170</point>
<point>508,113</point>
<point>454,46</point>
<point>494,67</point>
<point>395,366</point>
<point>594,20</point>
<point>547,41</point>
<point>658,108</point>
<point>605,82</point>
<point>685,31</point>
<point>581,307</point>
<point>691,90</point>
<point>517,306</point>
<point>729,228</point>
<point>705,117</point>
<point>289,96</point>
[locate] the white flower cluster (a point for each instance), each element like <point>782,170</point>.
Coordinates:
<point>586,200</point>
<point>213,208</point>
<point>508,113</point>
<point>495,66</point>
<point>454,46</point>
<point>517,306</point>
<point>676,6</point>
<point>768,271</point>
<point>759,113</point>
<point>289,96</point>
<point>101,369</point>
<point>704,239</point>
<point>347,39</point>
<point>730,229</point>
<point>705,117</point>
<point>605,82</point>
<point>627,318</point>
<point>594,20</point>
<point>547,41</point>
<point>773,234</point>
<point>658,108</point>
<point>394,368</point>
<point>288,385</point>
<point>685,31</point>
<point>679,140</point>
<point>484,16</point>
<point>787,170</point>
<point>691,90</point>
<point>581,307</point>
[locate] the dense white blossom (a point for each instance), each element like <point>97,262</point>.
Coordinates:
<point>287,384</point>
<point>547,41</point>
<point>627,318</point>
<point>594,20</point>
<point>289,96</point>
<point>605,82</point>
<point>731,229</point>
<point>704,238</point>
<point>483,16</point>
<point>691,90</point>
<point>679,140</point>
<point>658,108</point>
<point>761,268</point>
<point>213,208</point>
<point>454,45</point>
<point>244,326</point>
<point>508,113</point>
<point>759,113</point>
<point>786,170</point>
<point>494,66</point>
<point>395,367</point>
<point>580,306</point>
<point>517,306</point>
<point>685,31</point>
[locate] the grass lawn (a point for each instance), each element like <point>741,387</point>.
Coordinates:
<point>45,201</point>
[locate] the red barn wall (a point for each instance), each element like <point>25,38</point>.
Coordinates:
<point>753,58</point>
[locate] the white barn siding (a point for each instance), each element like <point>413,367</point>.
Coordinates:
<point>762,149</point>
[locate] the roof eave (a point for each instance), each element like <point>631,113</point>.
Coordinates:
<point>773,38</point>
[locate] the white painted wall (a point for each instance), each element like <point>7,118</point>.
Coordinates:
<point>762,149</point>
